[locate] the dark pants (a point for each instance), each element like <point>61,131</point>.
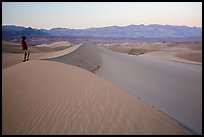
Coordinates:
<point>26,54</point>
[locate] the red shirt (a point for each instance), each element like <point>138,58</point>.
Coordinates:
<point>24,45</point>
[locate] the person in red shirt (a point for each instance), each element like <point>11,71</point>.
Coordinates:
<point>25,48</point>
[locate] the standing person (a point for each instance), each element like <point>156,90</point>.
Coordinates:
<point>25,49</point>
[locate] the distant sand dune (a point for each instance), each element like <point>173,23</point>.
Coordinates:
<point>187,51</point>
<point>189,56</point>
<point>56,44</point>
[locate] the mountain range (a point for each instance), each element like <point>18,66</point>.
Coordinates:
<point>133,31</point>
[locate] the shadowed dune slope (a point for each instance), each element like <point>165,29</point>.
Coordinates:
<point>171,84</point>
<point>86,56</point>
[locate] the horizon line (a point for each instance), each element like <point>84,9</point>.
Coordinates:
<point>102,26</point>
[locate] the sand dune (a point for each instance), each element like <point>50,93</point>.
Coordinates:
<point>46,97</point>
<point>56,44</point>
<point>171,84</point>
<point>190,56</point>
<point>86,56</point>
<point>187,51</point>
<point>57,53</point>
<point>50,95</point>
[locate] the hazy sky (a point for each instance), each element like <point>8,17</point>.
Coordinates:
<point>99,14</point>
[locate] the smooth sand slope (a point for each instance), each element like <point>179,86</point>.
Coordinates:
<point>47,97</point>
<point>86,56</point>
<point>166,83</point>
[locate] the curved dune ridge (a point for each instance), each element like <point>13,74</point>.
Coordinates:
<point>56,54</point>
<point>48,97</point>
<point>87,56</point>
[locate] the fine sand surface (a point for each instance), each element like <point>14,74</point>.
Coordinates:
<point>49,97</point>
<point>171,84</point>
<point>56,98</point>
